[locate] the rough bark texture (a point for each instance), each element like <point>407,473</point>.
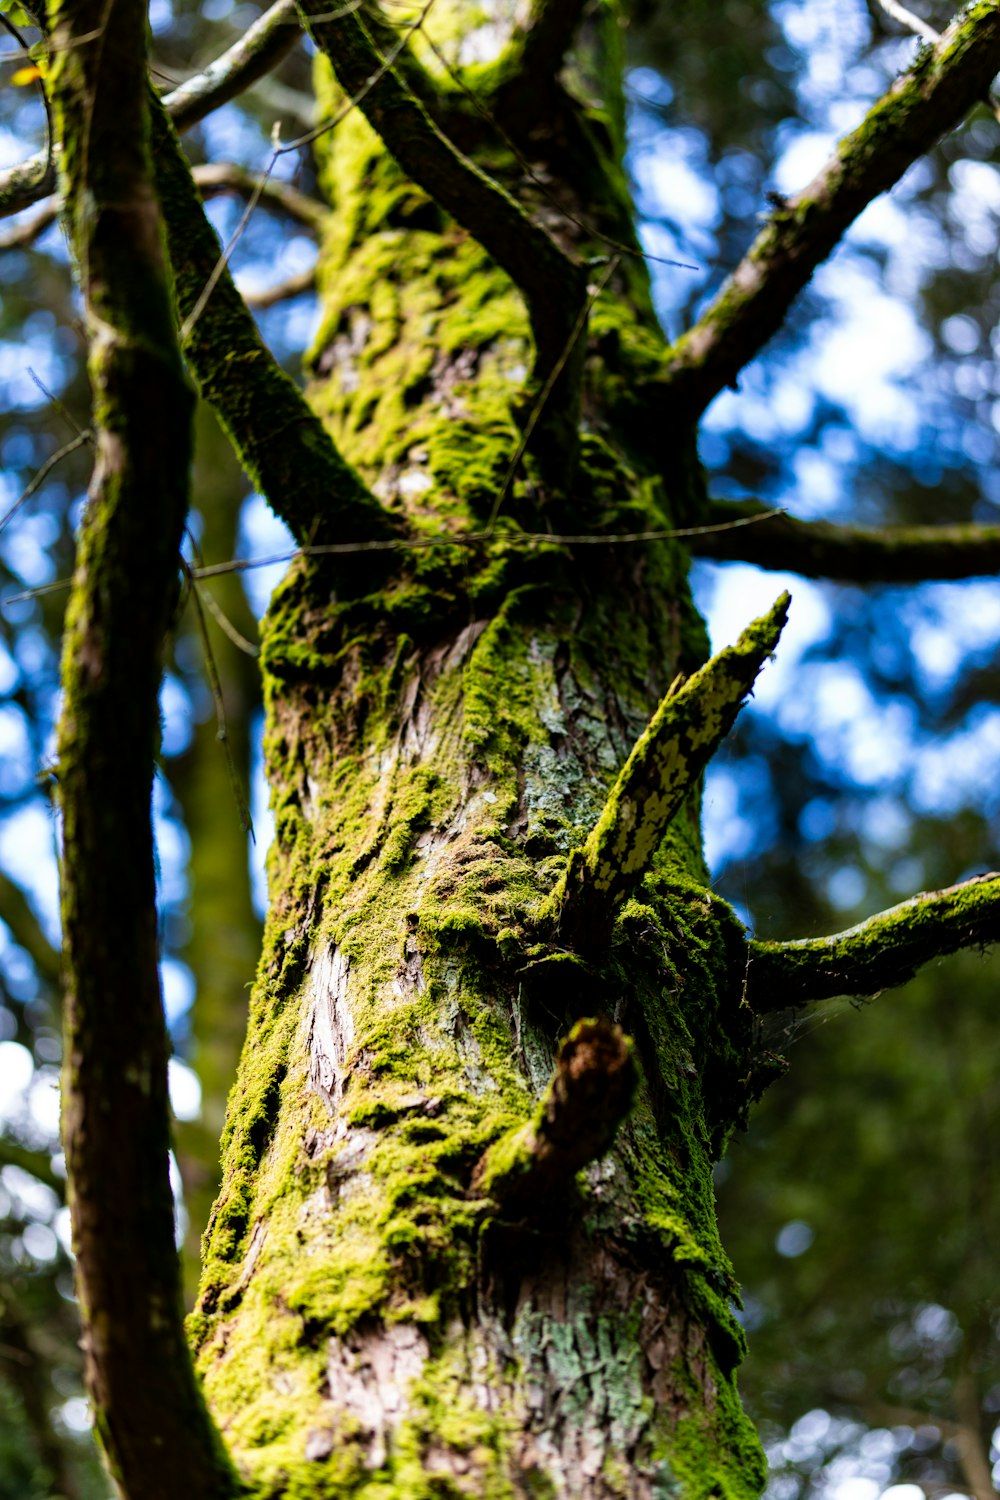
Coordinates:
<point>378,1315</point>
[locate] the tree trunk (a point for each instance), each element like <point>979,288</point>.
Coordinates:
<point>385,1309</point>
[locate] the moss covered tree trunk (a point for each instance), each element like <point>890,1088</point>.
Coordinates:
<point>465,1242</point>
<point>389,1306</point>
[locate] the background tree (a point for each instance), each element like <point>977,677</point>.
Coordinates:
<point>420,355</point>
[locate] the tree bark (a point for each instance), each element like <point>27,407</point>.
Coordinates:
<point>376,1314</point>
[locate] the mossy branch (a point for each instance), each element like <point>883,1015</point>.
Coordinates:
<point>853,554</point>
<point>148,1406</point>
<point>260,49</point>
<point>588,1096</point>
<point>554,286</point>
<point>884,951</point>
<point>665,764</point>
<point>932,97</point>
<point>279,439</point>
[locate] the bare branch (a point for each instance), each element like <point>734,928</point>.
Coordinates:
<point>262,47</point>
<point>589,1094</point>
<point>943,84</point>
<point>24,235</point>
<point>27,183</point>
<point>669,756</point>
<point>149,1408</point>
<point>280,441</point>
<point>38,1163</point>
<point>213,179</point>
<point>216,177</point>
<point>884,951</point>
<point>910,21</point>
<point>270,296</point>
<point>853,554</point>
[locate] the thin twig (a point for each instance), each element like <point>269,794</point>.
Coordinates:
<point>226,625</point>
<point>42,474</point>
<point>49,131</point>
<point>220,265</point>
<point>380,72</point>
<point>446,539</point>
<point>60,406</point>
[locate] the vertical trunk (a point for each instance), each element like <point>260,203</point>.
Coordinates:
<point>439,738</point>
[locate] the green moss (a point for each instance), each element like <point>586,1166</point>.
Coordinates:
<point>437,742</point>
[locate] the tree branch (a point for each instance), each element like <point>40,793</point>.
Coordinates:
<point>27,183</point>
<point>554,286</point>
<point>212,179</point>
<point>216,177</point>
<point>37,1163</point>
<point>17,914</point>
<point>260,49</point>
<point>853,554</point>
<point>280,441</point>
<point>24,235</point>
<point>148,1405</point>
<point>923,104</point>
<point>669,756</point>
<point>588,1096</point>
<point>884,951</point>
<point>283,291</point>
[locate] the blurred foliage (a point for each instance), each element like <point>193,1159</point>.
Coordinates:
<point>861,1208</point>
<point>868,1178</point>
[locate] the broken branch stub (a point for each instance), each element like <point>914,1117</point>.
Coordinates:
<point>666,762</point>
<point>589,1094</point>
